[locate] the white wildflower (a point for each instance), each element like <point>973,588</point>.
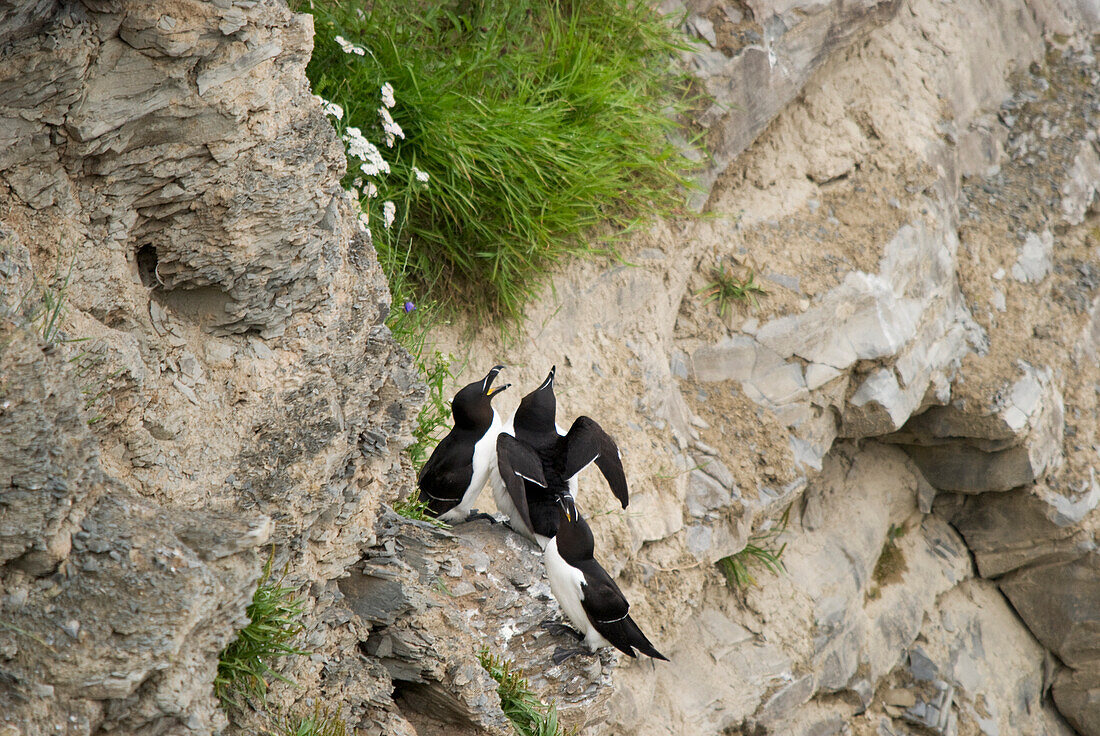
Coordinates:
<point>387,95</point>
<point>330,108</point>
<point>362,149</point>
<point>349,47</point>
<point>420,175</point>
<point>358,146</point>
<point>375,164</point>
<point>389,127</point>
<point>371,191</point>
<point>389,211</point>
<point>357,183</point>
<point>364,222</point>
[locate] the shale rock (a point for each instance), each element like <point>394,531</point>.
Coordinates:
<point>434,599</point>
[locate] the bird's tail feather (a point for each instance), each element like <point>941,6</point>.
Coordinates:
<point>626,634</point>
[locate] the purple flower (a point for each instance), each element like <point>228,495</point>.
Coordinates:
<point>409,306</point>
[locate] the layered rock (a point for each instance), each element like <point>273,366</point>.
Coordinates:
<point>918,216</point>
<point>913,187</point>
<point>194,358</point>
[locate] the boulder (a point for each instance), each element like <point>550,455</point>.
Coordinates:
<point>1060,603</point>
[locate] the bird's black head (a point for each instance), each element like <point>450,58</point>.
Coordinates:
<point>537,411</point>
<point>471,406</point>
<point>575,542</point>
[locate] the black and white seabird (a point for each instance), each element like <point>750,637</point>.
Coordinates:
<point>587,595</point>
<point>537,460</point>
<point>459,466</point>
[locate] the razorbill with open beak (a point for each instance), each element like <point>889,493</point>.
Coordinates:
<point>537,461</point>
<point>459,466</point>
<point>587,595</point>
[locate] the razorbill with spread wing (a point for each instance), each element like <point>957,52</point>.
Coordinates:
<point>457,470</point>
<point>587,595</point>
<point>537,460</point>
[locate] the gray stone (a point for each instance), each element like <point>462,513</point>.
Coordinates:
<point>1060,603</point>
<point>1079,189</point>
<point>699,540</point>
<point>705,494</point>
<point>732,359</point>
<point>786,699</point>
<point>921,667</point>
<point>49,459</point>
<point>879,406</point>
<point>1006,531</point>
<point>124,85</point>
<point>652,517</point>
<point>783,384</point>
<point>817,375</point>
<point>1069,506</point>
<point>960,467</point>
<point>703,28</point>
<point>1077,695</point>
<point>749,87</point>
<point>21,19</point>
<point>678,364</point>
<point>1034,262</point>
<point>716,469</point>
<point>787,282</point>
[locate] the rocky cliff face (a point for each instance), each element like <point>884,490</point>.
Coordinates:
<point>914,185</point>
<point>219,381</point>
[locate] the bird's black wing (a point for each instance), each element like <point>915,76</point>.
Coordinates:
<point>603,601</point>
<point>586,441</point>
<point>448,471</point>
<point>608,610</point>
<point>518,462</point>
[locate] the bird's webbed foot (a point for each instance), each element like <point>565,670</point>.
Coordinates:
<point>561,654</point>
<point>474,515</point>
<point>555,627</point>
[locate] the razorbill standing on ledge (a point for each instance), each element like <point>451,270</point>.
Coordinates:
<point>587,595</point>
<point>459,466</point>
<point>537,460</point>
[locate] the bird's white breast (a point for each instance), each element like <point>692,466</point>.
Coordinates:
<point>565,584</point>
<point>485,456</point>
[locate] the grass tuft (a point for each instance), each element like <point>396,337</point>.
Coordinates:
<point>535,121</point>
<point>726,288</point>
<point>430,425</point>
<point>529,715</point>
<point>274,622</point>
<point>761,551</point>
<point>52,310</point>
<point>431,422</point>
<point>318,723</point>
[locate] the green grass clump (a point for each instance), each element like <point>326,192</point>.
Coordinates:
<point>891,564</point>
<point>274,622</point>
<point>45,314</point>
<point>761,550</point>
<point>51,314</point>
<point>726,288</point>
<point>534,121</point>
<point>529,715</point>
<point>318,723</point>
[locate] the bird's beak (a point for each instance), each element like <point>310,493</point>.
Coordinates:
<point>549,382</point>
<point>569,507</point>
<point>488,382</point>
